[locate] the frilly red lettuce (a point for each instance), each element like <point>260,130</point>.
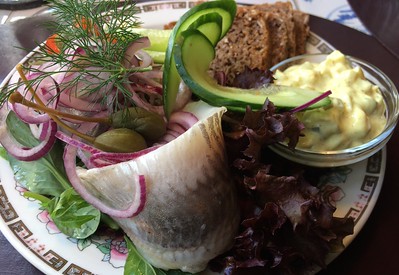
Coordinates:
<point>287,224</point>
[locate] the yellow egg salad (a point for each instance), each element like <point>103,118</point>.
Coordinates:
<point>357,112</point>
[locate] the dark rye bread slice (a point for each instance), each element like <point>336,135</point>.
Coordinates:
<point>247,44</point>
<point>281,19</point>
<point>302,30</point>
<point>281,47</point>
<point>261,36</point>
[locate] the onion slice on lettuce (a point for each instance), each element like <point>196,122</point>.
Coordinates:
<point>136,181</point>
<point>20,152</point>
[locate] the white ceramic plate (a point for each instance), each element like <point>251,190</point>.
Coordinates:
<point>30,231</point>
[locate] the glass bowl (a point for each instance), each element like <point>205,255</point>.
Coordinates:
<point>354,154</point>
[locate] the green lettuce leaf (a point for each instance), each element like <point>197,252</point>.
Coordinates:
<point>44,176</point>
<point>136,264</point>
<point>73,215</point>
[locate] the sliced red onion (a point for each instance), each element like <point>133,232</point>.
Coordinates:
<point>98,163</point>
<point>87,82</point>
<point>76,143</point>
<point>142,103</point>
<point>101,159</point>
<point>29,154</point>
<point>28,115</point>
<point>150,76</point>
<point>134,209</point>
<point>173,133</point>
<point>147,89</point>
<point>80,104</point>
<point>184,119</point>
<point>144,59</point>
<point>37,131</point>
<point>166,138</point>
<point>43,129</point>
<point>70,97</point>
<point>47,90</point>
<point>75,96</point>
<point>179,122</point>
<point>183,97</point>
<point>176,127</point>
<point>85,158</point>
<point>98,158</point>
<point>44,67</point>
<point>130,59</point>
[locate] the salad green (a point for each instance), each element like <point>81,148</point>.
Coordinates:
<point>136,264</point>
<point>46,176</point>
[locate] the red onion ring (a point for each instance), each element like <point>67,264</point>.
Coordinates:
<point>29,154</point>
<point>80,104</point>
<point>130,59</point>
<point>43,131</point>
<point>101,159</point>
<point>28,115</point>
<point>142,104</point>
<point>179,122</point>
<point>134,209</point>
<point>85,158</point>
<point>76,143</point>
<point>176,127</point>
<point>149,76</point>
<point>184,119</point>
<point>144,59</point>
<point>166,138</point>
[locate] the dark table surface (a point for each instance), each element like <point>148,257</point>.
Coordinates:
<point>375,249</point>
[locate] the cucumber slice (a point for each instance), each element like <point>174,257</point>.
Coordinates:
<point>159,38</point>
<point>157,57</point>
<point>193,55</point>
<point>171,79</point>
<point>210,25</point>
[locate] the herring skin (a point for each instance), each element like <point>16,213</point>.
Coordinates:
<point>191,214</point>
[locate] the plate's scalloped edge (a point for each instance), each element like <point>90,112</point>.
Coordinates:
<point>17,232</point>
<point>371,185</point>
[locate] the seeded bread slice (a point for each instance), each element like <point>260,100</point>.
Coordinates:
<point>260,37</point>
<point>284,13</point>
<point>247,44</point>
<point>302,30</point>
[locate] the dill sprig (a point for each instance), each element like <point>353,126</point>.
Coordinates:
<point>99,29</point>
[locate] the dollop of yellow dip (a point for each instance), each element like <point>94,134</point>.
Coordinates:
<point>357,112</point>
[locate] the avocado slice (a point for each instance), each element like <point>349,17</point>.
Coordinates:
<point>226,9</point>
<point>193,53</point>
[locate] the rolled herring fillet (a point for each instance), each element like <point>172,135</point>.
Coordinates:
<point>191,213</point>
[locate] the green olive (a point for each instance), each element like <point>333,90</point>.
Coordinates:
<point>120,140</point>
<point>150,125</point>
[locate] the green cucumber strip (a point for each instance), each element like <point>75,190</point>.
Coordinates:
<point>159,38</point>
<point>157,57</point>
<point>171,78</point>
<point>210,25</point>
<point>195,52</point>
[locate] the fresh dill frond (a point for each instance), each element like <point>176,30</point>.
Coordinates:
<point>99,30</point>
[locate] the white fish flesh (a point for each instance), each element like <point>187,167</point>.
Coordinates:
<point>191,213</point>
